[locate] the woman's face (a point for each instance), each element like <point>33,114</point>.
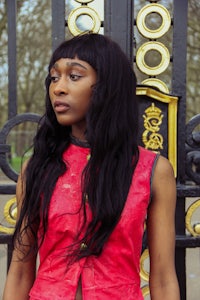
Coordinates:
<point>70,92</point>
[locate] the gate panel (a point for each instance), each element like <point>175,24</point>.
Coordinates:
<point>123,28</point>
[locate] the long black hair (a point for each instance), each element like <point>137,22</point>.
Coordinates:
<point>112,126</point>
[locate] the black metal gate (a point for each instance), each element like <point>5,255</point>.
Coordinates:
<point>120,23</point>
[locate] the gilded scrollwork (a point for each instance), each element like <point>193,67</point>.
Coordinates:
<point>193,149</point>
<point>151,137</point>
<point>171,101</point>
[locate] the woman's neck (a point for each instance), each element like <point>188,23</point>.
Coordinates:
<point>79,141</point>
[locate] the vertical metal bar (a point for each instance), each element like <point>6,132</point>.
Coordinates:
<point>58,22</point>
<point>118,24</point>
<point>179,75</point>
<point>12,58</point>
<point>179,88</point>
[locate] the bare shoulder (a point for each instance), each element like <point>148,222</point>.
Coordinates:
<point>164,183</point>
<point>163,168</point>
<point>163,173</point>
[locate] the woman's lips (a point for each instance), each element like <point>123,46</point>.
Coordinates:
<point>60,106</point>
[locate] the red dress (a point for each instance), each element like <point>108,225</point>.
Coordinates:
<point>115,273</point>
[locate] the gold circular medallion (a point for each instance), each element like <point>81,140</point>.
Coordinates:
<point>83,10</point>
<point>10,211</point>
<point>147,10</point>
<point>193,229</point>
<point>144,274</point>
<point>155,82</point>
<point>84,1</point>
<point>145,290</point>
<point>161,49</point>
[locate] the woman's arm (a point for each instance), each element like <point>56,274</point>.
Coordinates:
<point>161,233</point>
<point>20,278</point>
<point>21,273</point>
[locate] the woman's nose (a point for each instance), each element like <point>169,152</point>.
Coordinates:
<point>60,87</point>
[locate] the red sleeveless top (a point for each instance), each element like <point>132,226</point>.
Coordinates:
<point>115,274</point>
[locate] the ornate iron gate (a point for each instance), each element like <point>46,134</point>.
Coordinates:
<point>179,142</point>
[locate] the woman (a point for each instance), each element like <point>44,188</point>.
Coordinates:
<point>84,195</point>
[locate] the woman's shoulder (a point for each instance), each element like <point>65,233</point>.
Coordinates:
<point>163,168</point>
<point>164,182</point>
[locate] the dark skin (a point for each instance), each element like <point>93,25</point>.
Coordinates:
<point>70,93</point>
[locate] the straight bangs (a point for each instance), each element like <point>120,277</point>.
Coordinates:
<point>81,47</point>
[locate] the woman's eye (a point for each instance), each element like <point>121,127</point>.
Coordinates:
<point>74,77</point>
<point>54,78</point>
